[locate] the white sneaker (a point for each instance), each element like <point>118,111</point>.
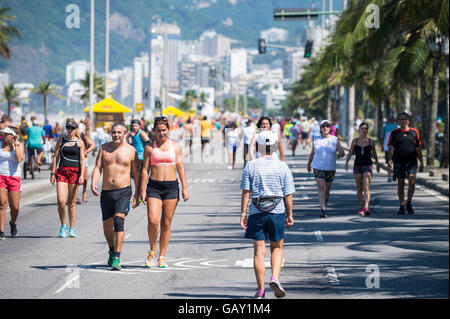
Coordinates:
<point>277,288</point>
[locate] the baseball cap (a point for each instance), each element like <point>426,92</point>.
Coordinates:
<point>72,124</point>
<point>267,138</point>
<point>7,130</point>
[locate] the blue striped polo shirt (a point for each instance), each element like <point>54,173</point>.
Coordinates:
<point>267,177</point>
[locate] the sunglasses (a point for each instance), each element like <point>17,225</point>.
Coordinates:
<point>70,128</point>
<point>325,126</point>
<point>160,118</point>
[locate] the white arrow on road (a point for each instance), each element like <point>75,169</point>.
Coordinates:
<point>248,263</point>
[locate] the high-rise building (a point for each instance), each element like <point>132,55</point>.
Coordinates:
<point>141,74</point>
<point>293,62</point>
<point>76,71</point>
<point>215,45</point>
<point>237,63</point>
<point>165,42</point>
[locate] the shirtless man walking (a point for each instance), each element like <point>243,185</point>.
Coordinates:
<point>116,159</point>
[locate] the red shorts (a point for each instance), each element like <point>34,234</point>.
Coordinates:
<point>69,175</point>
<point>11,183</point>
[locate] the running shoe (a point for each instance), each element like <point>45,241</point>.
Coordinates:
<point>150,261</point>
<point>409,208</point>
<point>63,231</point>
<point>162,262</point>
<point>110,258</point>
<point>277,288</point>
<point>366,211</point>
<point>260,294</point>
<point>2,235</point>
<point>72,233</point>
<point>361,211</point>
<point>401,211</point>
<point>116,264</point>
<point>13,229</point>
<point>323,214</point>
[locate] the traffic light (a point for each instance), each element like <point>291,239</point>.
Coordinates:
<point>261,46</point>
<point>308,48</point>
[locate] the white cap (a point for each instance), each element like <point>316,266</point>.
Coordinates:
<point>263,136</point>
<point>7,130</point>
<point>324,121</point>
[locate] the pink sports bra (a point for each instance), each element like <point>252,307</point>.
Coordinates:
<point>159,157</point>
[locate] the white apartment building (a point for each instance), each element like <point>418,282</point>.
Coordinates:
<point>76,71</point>
<point>141,76</point>
<point>237,63</point>
<point>215,45</point>
<point>4,80</point>
<point>164,58</point>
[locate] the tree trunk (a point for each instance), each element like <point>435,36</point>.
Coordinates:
<point>433,114</point>
<point>444,156</point>
<point>414,106</point>
<point>424,113</point>
<point>351,114</point>
<point>45,108</point>
<point>9,109</point>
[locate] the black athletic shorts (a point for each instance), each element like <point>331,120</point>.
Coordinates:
<point>404,170</point>
<point>115,201</point>
<point>163,190</point>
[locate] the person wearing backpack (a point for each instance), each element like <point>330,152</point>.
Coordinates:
<point>23,129</point>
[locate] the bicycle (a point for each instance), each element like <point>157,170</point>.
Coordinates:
<point>31,168</point>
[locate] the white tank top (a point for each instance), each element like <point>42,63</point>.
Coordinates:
<point>9,166</point>
<point>325,153</point>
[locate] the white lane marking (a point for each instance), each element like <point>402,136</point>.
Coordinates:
<point>127,236</point>
<point>72,280</point>
<point>332,276</point>
<point>182,263</point>
<point>248,263</point>
<point>434,194</point>
<point>318,234</point>
<point>208,263</point>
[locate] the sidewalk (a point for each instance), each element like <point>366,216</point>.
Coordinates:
<point>434,178</point>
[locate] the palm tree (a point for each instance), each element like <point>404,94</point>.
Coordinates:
<point>99,87</point>
<point>45,89</point>
<point>6,32</point>
<point>11,95</point>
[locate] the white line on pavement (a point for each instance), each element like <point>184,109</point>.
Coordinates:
<point>318,234</point>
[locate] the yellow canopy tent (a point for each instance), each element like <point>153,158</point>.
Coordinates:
<point>172,111</point>
<point>108,112</point>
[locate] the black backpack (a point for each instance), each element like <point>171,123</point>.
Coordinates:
<point>24,128</point>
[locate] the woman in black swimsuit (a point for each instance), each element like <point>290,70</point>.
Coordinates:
<point>363,148</point>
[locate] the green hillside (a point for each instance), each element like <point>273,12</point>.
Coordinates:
<point>47,45</point>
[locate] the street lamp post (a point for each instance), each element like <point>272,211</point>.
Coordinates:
<point>91,66</point>
<point>107,49</point>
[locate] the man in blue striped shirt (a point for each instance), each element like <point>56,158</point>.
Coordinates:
<point>270,185</point>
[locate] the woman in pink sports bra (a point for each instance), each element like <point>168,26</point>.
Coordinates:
<point>161,159</point>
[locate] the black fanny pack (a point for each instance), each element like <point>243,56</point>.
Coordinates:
<point>266,204</point>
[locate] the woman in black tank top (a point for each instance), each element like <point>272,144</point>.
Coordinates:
<point>70,153</point>
<point>363,148</point>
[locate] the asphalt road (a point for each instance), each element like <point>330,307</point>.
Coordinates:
<point>343,256</point>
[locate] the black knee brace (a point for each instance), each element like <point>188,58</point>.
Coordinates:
<point>119,224</point>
